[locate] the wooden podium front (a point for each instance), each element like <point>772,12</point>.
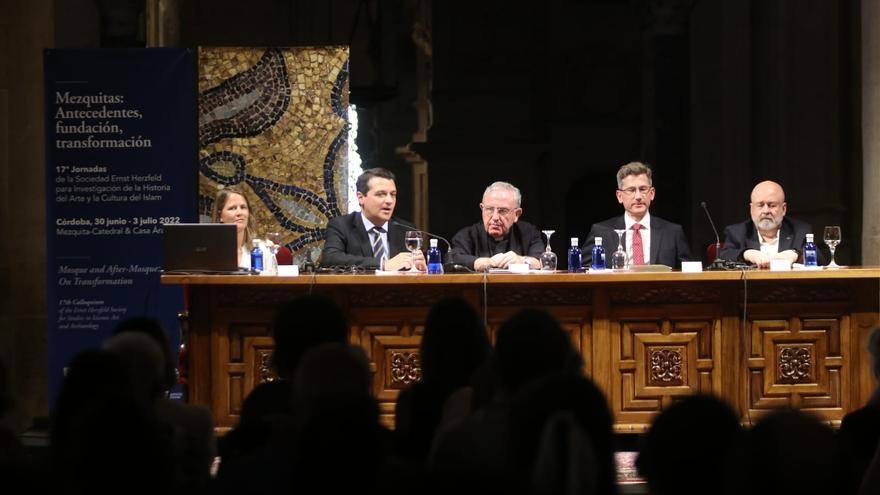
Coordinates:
<point>760,339</point>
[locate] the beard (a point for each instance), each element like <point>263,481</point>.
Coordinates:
<point>767,223</point>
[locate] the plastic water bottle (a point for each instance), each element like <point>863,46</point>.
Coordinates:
<point>598,255</point>
<point>810,255</point>
<point>435,262</point>
<point>257,256</point>
<point>574,256</point>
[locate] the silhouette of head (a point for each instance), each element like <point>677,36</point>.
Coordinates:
<point>786,452</point>
<point>560,436</point>
<point>454,344</point>
<point>153,329</point>
<point>301,324</point>
<point>144,362</point>
<point>684,451</point>
<point>532,344</point>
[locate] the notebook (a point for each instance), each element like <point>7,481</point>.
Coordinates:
<point>200,248</point>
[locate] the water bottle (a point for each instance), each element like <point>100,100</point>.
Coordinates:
<point>810,256</point>
<point>598,255</point>
<point>574,256</point>
<point>435,262</point>
<point>256,256</point>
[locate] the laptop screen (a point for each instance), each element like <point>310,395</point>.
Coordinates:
<point>200,247</point>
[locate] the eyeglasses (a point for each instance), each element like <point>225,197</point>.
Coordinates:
<point>491,210</point>
<point>629,191</point>
<point>761,205</point>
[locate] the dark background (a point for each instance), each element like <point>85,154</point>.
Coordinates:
<point>554,96</point>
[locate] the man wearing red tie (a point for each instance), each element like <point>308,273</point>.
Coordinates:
<point>648,239</point>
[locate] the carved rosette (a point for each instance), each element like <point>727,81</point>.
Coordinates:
<point>795,364</point>
<point>666,367</point>
<point>265,373</point>
<point>406,368</point>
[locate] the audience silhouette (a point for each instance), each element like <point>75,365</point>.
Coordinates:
<point>785,452</point>
<point>560,438</point>
<point>340,445</point>
<point>531,344</point>
<point>546,429</point>
<point>143,345</point>
<point>262,442</point>
<point>454,346</point>
<point>685,450</point>
<point>104,439</point>
<point>860,429</point>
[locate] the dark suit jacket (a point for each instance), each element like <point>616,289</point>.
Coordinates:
<point>668,244</point>
<point>742,236</point>
<point>473,242</point>
<point>348,243</point>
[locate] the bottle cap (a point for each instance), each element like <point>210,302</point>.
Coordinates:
<point>255,242</point>
<point>598,241</point>
<point>809,237</point>
<point>574,241</point>
<point>433,242</point>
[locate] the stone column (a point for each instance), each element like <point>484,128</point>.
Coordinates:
<point>870,132</point>
<point>26,28</point>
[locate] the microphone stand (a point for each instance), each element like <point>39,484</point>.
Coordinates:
<point>717,263</point>
<point>450,265</point>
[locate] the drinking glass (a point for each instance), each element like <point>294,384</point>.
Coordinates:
<point>413,242</point>
<point>548,257</point>
<point>274,242</point>
<point>618,258</point>
<point>832,239</point>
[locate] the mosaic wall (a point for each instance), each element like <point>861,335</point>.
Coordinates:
<point>273,123</point>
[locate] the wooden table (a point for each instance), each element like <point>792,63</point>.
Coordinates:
<point>760,339</point>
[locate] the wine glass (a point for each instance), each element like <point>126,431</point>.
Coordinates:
<point>832,239</point>
<point>274,239</point>
<point>618,258</point>
<point>548,257</point>
<point>413,242</point>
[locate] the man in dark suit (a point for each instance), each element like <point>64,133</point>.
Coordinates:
<point>500,238</point>
<point>648,239</point>
<point>370,238</point>
<point>769,234</point>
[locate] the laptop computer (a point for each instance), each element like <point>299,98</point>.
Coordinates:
<point>200,248</point>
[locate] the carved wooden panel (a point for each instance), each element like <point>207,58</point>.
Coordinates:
<point>245,347</point>
<point>657,359</point>
<point>392,346</point>
<point>798,362</point>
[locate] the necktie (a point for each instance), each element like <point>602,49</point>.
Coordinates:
<point>378,245</point>
<point>638,254</point>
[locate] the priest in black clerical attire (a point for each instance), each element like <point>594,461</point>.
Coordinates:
<point>500,239</point>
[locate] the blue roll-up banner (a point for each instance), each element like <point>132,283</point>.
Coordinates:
<point>120,162</point>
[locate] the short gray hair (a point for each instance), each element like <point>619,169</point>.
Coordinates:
<point>517,196</point>
<point>633,168</point>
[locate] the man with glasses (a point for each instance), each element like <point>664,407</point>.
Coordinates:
<point>500,239</point>
<point>769,234</point>
<point>649,239</point>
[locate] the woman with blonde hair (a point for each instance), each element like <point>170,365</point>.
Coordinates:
<point>232,206</point>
